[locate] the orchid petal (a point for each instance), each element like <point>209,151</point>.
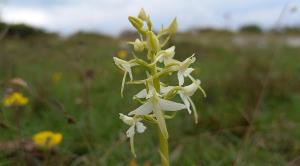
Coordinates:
<point>142,94</point>
<point>180,78</point>
<point>188,71</point>
<point>127,119</point>
<point>140,127</point>
<point>130,132</point>
<point>191,89</point>
<point>168,105</point>
<point>144,109</point>
<point>186,102</point>
<point>165,90</point>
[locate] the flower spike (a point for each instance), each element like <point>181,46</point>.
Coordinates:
<point>154,58</point>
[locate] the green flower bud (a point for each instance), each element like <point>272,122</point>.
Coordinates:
<point>138,45</point>
<point>152,41</point>
<point>142,15</point>
<point>136,22</point>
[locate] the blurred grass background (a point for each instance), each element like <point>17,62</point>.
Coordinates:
<point>74,88</point>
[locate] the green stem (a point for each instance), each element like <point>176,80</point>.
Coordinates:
<point>164,149</point>
<point>163,142</point>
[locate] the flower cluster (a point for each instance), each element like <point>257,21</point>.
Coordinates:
<point>15,99</point>
<point>159,62</point>
<point>47,139</point>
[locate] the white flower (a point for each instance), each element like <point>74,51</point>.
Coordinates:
<point>191,89</point>
<point>142,94</point>
<point>135,125</point>
<point>185,94</point>
<point>156,105</point>
<point>166,56</point>
<point>126,67</point>
<point>184,70</point>
<point>163,104</point>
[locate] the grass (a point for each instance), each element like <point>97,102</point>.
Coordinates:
<point>89,95</point>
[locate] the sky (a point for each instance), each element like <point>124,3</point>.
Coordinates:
<point>110,16</point>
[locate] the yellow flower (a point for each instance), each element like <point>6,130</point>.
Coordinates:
<point>122,54</point>
<point>15,99</point>
<point>56,77</point>
<point>47,139</point>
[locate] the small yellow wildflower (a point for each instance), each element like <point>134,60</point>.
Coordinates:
<point>56,77</point>
<point>15,99</point>
<point>122,54</point>
<point>47,139</point>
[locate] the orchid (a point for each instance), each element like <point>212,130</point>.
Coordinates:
<point>135,125</point>
<point>156,104</point>
<point>126,67</point>
<point>156,97</point>
<point>184,70</point>
<point>166,56</point>
<point>185,95</point>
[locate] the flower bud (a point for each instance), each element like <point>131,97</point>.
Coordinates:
<point>138,45</point>
<point>136,22</point>
<point>142,15</point>
<point>152,41</point>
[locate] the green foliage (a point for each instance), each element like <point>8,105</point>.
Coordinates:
<point>231,77</point>
<point>251,28</point>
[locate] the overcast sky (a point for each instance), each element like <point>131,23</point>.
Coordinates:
<point>110,16</point>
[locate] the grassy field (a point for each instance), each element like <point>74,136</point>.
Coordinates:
<point>250,116</point>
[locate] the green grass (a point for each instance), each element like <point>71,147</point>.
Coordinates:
<point>89,93</point>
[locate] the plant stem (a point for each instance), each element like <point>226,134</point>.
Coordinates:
<point>164,149</point>
<point>163,142</point>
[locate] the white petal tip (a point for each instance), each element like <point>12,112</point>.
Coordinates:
<point>131,113</point>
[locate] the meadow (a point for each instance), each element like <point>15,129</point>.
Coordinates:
<point>249,117</point>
